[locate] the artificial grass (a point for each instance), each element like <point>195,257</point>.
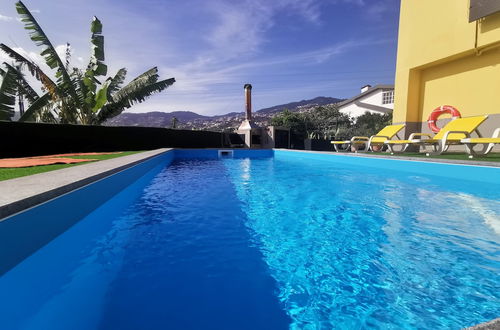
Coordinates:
<point>11,173</point>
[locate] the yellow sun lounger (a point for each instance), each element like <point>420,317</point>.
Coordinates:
<point>488,143</point>
<point>451,133</point>
<point>385,134</point>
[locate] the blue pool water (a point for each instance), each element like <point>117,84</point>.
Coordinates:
<point>270,243</point>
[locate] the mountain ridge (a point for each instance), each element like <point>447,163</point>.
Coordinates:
<point>193,120</point>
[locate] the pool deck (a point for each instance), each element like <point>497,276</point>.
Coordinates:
<point>473,162</point>
<point>492,325</point>
<point>22,193</point>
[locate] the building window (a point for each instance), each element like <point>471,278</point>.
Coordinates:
<point>388,97</point>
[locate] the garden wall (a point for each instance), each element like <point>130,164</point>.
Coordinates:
<point>318,145</point>
<point>32,139</point>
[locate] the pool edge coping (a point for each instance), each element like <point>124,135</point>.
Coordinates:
<point>475,163</point>
<point>32,190</point>
<point>490,325</point>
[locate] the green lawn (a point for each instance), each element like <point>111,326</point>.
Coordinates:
<point>11,173</point>
<point>492,157</point>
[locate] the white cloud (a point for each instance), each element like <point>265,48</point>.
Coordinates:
<point>199,87</point>
<point>6,18</point>
<point>4,58</point>
<point>377,10</point>
<point>61,51</point>
<point>241,27</point>
<point>27,54</point>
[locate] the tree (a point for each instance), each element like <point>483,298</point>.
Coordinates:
<point>327,121</point>
<point>322,122</point>
<point>76,96</point>
<point>14,78</point>
<point>370,123</point>
<point>296,122</point>
<point>173,122</point>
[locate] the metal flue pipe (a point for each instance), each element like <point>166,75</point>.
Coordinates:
<point>248,101</point>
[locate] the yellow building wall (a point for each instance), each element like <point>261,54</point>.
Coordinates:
<point>444,59</point>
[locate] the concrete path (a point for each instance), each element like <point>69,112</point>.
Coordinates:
<point>24,192</point>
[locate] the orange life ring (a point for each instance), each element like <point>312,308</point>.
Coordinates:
<point>436,113</point>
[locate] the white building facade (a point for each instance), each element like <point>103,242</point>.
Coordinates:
<point>377,99</point>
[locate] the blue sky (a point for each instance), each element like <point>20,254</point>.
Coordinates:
<point>288,50</point>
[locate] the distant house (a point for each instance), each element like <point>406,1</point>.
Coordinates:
<point>376,99</point>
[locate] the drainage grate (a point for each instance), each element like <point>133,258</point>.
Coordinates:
<point>226,153</point>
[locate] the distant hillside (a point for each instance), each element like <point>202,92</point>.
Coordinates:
<point>320,100</point>
<point>192,120</point>
<point>153,119</point>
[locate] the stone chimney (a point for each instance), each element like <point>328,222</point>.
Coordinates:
<point>252,133</point>
<point>248,101</point>
<point>365,88</point>
<point>248,124</point>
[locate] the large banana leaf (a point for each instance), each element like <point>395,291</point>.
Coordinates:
<point>148,90</point>
<point>35,108</point>
<point>116,82</point>
<point>23,87</point>
<point>8,89</point>
<point>151,76</point>
<point>33,68</point>
<point>49,52</point>
<point>101,97</point>
<point>138,95</point>
<point>96,64</point>
<point>144,79</point>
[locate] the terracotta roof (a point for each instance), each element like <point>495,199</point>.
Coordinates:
<point>369,91</point>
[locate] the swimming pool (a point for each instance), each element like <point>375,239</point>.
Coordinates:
<point>267,240</point>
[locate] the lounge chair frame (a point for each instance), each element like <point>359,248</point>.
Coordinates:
<point>367,141</point>
<point>363,140</point>
<point>438,146</point>
<point>443,139</point>
<point>487,147</point>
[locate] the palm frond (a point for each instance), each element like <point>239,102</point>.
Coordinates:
<point>81,89</point>
<point>23,87</point>
<point>68,56</point>
<point>49,53</point>
<point>34,69</point>
<point>113,109</point>
<point>101,98</point>
<point>35,108</point>
<point>116,82</point>
<point>150,89</point>
<point>8,89</point>
<point>96,64</point>
<point>149,77</point>
<point>39,37</point>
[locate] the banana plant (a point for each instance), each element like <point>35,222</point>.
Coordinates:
<point>14,84</point>
<point>8,91</point>
<point>75,96</point>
